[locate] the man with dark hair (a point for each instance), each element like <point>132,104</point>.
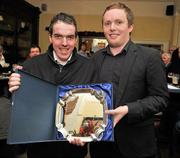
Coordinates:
<point>60,65</point>
<point>34,51</point>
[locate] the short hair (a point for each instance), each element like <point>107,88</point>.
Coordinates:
<point>35,46</point>
<point>128,11</point>
<point>66,18</point>
<point>83,43</point>
<point>166,54</point>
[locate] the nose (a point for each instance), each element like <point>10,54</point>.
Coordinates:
<point>64,41</point>
<point>112,26</point>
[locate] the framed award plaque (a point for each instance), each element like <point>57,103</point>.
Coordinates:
<point>42,112</point>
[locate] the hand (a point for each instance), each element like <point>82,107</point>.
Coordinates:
<point>14,82</point>
<point>16,66</point>
<point>76,141</point>
<point>6,65</point>
<point>118,113</point>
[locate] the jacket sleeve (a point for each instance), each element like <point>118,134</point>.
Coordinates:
<point>157,96</point>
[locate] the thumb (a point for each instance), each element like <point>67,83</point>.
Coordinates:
<point>110,112</point>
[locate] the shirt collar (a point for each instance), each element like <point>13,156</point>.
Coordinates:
<point>124,50</point>
<point>60,61</point>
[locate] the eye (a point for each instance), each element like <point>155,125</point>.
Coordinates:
<point>118,22</point>
<point>107,23</point>
<point>70,37</point>
<point>57,36</point>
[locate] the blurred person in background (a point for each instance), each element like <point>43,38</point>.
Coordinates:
<point>34,51</point>
<point>4,66</point>
<point>83,50</point>
<point>171,115</point>
<point>166,57</point>
<point>171,49</point>
<point>174,66</point>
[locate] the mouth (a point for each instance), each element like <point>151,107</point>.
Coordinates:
<point>64,50</point>
<point>113,36</point>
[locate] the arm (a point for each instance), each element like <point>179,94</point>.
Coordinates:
<point>145,95</point>
<point>156,94</point>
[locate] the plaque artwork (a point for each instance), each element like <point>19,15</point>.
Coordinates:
<point>80,112</point>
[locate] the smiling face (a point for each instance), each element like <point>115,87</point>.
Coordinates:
<point>63,39</point>
<point>34,52</point>
<point>116,28</point>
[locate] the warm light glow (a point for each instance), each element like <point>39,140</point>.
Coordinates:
<point>1,18</point>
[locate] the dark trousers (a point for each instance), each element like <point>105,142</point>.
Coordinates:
<point>108,149</point>
<point>55,150</point>
<point>169,122</point>
<point>176,140</point>
<point>6,150</point>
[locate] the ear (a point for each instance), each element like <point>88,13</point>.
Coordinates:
<point>50,38</point>
<point>131,28</point>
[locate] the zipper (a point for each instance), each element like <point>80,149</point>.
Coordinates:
<point>60,68</point>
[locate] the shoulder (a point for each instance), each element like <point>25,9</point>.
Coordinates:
<point>102,51</point>
<point>146,55</point>
<point>42,58</point>
<point>147,52</point>
<point>81,58</point>
<point>80,61</point>
<point>99,54</point>
<point>145,49</point>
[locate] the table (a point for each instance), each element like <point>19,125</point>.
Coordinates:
<point>173,89</point>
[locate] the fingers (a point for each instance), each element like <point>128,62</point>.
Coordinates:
<point>12,89</point>
<point>76,141</point>
<point>116,113</point>
<point>15,66</point>
<point>110,112</point>
<point>14,82</point>
<point>14,75</point>
<point>116,120</point>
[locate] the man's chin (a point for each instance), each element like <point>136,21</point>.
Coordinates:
<point>113,45</point>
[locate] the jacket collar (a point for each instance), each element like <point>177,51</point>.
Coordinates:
<point>59,61</point>
<point>128,65</point>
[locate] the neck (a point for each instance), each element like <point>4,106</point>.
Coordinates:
<point>62,62</point>
<point>117,50</point>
